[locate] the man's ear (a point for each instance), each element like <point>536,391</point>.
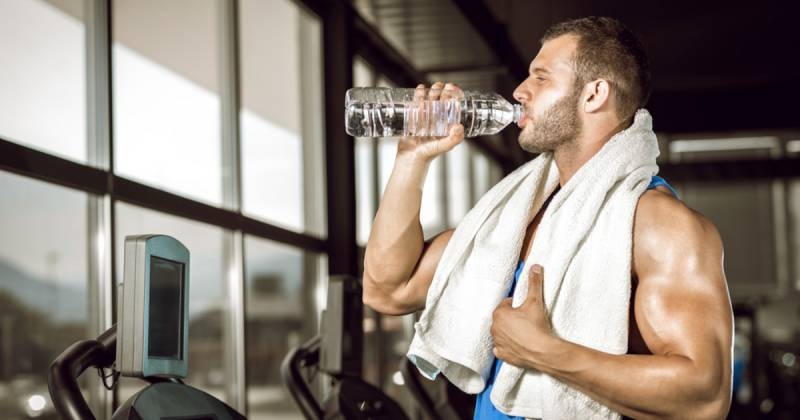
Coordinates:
<point>597,94</point>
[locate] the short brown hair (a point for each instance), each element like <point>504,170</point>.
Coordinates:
<point>609,50</point>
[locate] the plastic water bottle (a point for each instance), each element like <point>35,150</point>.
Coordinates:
<point>394,112</point>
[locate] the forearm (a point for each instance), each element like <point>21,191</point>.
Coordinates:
<point>639,386</point>
<point>396,240</point>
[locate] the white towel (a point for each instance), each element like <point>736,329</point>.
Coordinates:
<point>584,244</point>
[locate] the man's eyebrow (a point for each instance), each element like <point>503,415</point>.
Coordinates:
<point>538,69</point>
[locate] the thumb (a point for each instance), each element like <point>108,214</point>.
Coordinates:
<point>535,285</point>
<point>454,137</point>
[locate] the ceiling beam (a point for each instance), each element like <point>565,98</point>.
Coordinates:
<point>495,35</point>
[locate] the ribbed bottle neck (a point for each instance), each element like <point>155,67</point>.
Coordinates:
<point>517,113</point>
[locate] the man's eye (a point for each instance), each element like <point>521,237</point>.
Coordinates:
<point>540,79</point>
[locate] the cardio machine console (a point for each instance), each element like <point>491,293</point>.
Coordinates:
<point>152,308</point>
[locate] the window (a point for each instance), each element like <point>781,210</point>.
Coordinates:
<point>458,184</point>
<point>43,288</point>
<point>166,86</point>
<point>366,165</point>
<point>366,202</point>
<point>481,181</point>
<point>432,208</point>
<point>282,115</point>
<point>208,299</point>
<point>43,76</point>
<point>753,249</point>
<point>281,315</point>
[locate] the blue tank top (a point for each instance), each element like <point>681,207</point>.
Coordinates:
<point>484,409</point>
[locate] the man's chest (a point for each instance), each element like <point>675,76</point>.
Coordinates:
<point>636,344</point>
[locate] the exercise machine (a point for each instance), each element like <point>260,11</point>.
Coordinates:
<point>335,355</point>
<point>149,341</point>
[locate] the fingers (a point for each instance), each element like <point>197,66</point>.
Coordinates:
<point>427,104</point>
<point>536,285</point>
<point>451,91</point>
<point>419,92</point>
<point>435,91</point>
<point>439,91</point>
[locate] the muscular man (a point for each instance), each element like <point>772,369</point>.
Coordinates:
<point>584,86</point>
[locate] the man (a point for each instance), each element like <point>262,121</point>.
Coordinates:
<point>584,86</point>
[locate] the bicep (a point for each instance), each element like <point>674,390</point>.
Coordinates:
<point>414,292</point>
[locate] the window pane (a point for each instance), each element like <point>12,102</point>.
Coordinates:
<point>365,188</point>
<point>166,95</point>
<point>364,75</point>
<point>458,183</point>
<point>43,76</point>
<point>281,119</point>
<point>43,288</point>
<point>750,264</point>
<point>208,299</point>
<point>387,151</point>
<point>281,314</point>
<point>495,173</point>
<point>480,174</point>
<point>431,211</point>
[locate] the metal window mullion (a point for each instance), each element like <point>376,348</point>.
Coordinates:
<point>101,287</point>
<point>234,337</point>
<point>99,207</point>
<point>233,246</point>
<point>781,217</point>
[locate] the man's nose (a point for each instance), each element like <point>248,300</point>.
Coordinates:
<point>520,95</point>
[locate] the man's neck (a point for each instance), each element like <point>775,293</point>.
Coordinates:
<point>571,156</point>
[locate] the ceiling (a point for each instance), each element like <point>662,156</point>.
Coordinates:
<point>717,66</point>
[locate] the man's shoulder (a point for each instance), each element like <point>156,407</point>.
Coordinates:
<point>667,231</point>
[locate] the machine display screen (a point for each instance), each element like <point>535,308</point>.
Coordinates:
<point>166,309</point>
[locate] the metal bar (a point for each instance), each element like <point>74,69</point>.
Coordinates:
<point>234,337</point>
<point>163,201</point>
<point>40,165</point>
<point>99,222</point>
<point>230,104</point>
<point>234,341</point>
<point>33,163</point>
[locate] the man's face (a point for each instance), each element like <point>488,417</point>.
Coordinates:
<point>549,98</point>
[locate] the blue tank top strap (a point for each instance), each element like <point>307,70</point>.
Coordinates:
<point>657,181</point>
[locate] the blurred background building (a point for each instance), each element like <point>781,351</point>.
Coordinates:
<point>220,122</point>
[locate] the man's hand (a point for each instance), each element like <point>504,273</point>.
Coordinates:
<point>522,335</point>
<point>427,148</point>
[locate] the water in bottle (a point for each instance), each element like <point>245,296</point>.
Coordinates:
<point>394,112</point>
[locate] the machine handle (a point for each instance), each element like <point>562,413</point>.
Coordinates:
<point>62,378</point>
<point>291,368</point>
